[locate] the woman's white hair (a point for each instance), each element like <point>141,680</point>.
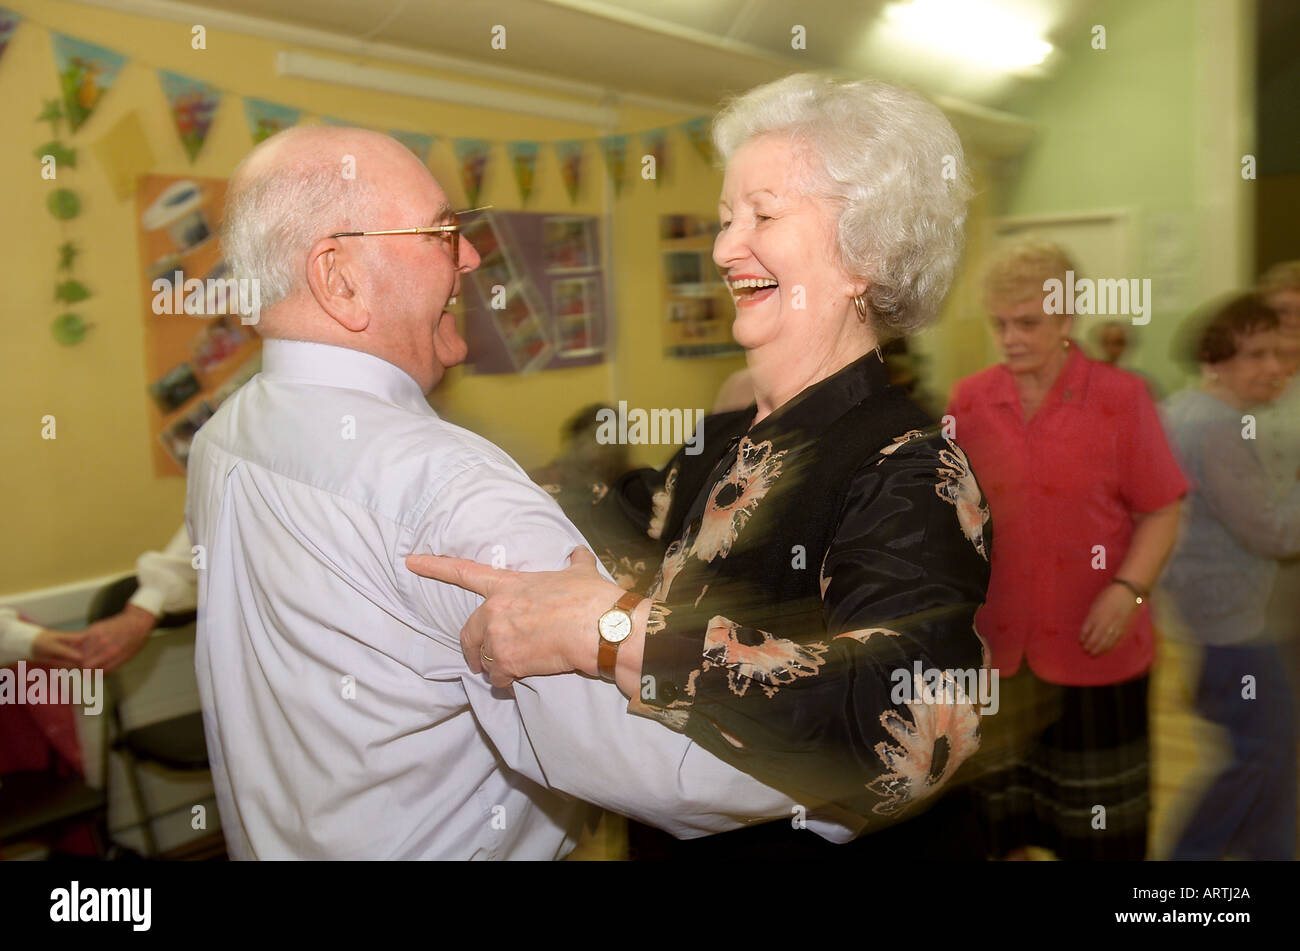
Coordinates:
<point>275,212</point>
<point>895,164</point>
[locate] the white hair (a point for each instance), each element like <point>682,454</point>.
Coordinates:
<point>275,212</point>
<point>894,163</point>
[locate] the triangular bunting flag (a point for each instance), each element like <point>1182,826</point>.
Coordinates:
<point>523,159</point>
<point>417,142</point>
<point>192,104</point>
<point>265,119</point>
<point>8,23</point>
<point>697,133</point>
<point>655,142</point>
<point>615,149</point>
<point>570,155</point>
<point>472,154</point>
<point>86,72</point>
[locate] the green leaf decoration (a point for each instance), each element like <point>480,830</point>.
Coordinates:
<point>63,204</point>
<point>53,111</point>
<point>71,291</point>
<point>67,254</point>
<point>68,329</point>
<point>62,154</point>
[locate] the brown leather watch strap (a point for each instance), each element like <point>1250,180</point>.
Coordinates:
<point>607,651</point>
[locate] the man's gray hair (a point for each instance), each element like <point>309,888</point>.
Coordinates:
<point>893,162</point>
<point>275,213</point>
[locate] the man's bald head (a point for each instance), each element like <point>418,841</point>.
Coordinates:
<point>296,187</point>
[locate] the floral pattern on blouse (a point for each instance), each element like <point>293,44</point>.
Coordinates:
<point>940,733</point>
<point>751,656</point>
<point>733,500</point>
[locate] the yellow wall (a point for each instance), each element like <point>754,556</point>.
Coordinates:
<point>87,503</point>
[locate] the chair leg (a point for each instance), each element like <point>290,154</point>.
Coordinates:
<point>137,796</point>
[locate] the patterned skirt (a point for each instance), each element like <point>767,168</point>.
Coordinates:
<point>1066,769</point>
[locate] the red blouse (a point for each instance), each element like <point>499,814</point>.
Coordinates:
<point>1062,489</point>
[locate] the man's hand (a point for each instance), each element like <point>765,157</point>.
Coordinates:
<point>1108,619</point>
<point>59,648</point>
<point>110,643</point>
<point>533,622</point>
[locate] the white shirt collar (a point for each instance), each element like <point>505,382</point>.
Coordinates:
<point>325,365</point>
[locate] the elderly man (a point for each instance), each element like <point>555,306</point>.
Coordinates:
<point>341,718</point>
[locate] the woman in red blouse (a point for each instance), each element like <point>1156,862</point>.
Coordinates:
<point>1085,493</point>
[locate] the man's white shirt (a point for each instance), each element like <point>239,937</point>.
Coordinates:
<point>341,718</point>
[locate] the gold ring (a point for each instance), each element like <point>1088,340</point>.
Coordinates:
<point>486,659</point>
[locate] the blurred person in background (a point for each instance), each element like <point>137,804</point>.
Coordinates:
<point>826,537</point>
<point>1085,491</point>
<point>1278,446</point>
<point>1112,343</point>
<point>1218,585</point>
<point>1112,340</point>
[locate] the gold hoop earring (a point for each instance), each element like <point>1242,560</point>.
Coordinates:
<point>861,306</point>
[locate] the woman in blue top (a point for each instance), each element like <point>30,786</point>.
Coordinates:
<point>1218,584</point>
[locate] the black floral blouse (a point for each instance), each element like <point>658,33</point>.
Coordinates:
<point>811,569</point>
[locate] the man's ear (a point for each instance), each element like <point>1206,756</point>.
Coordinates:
<point>331,278</point>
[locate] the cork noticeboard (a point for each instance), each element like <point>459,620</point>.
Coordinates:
<point>198,348</point>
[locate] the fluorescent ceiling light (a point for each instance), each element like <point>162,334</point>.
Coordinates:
<point>970,30</point>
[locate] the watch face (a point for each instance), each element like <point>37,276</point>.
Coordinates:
<point>615,625</point>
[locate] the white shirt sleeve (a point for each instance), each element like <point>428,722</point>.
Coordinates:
<point>571,732</point>
<point>168,581</point>
<point>16,637</point>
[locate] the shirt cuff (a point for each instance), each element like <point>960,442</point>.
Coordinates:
<point>149,599</point>
<point>17,639</point>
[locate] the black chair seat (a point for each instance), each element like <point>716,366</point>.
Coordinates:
<point>176,743</point>
<point>31,801</point>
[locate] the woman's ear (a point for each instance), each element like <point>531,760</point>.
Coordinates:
<point>331,279</point>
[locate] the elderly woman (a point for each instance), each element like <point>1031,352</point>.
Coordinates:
<point>1218,584</point>
<point>821,560</point>
<point>1077,469</point>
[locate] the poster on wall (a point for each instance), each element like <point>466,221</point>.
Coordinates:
<point>537,299</point>
<point>198,346</point>
<point>698,309</point>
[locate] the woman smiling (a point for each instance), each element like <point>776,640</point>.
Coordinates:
<point>826,543</point>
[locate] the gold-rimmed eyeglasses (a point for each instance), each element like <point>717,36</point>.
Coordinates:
<point>450,233</point>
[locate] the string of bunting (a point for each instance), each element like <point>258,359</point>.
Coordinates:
<point>87,71</point>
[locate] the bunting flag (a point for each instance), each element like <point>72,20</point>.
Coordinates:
<point>523,159</point>
<point>8,23</point>
<point>86,72</point>
<point>655,142</point>
<point>570,153</point>
<point>417,142</point>
<point>265,119</point>
<point>615,149</point>
<point>192,103</point>
<point>697,133</point>
<point>472,154</point>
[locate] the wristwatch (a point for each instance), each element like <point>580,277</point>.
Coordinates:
<point>615,626</point>
<point>1138,593</point>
